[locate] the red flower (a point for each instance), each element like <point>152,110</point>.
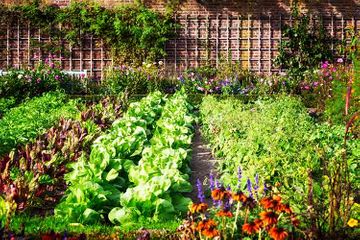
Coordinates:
<point>294,220</point>
<point>271,203</point>
<point>286,208</point>
<point>278,233</point>
<point>269,218</point>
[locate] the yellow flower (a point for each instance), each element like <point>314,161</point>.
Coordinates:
<point>353,222</point>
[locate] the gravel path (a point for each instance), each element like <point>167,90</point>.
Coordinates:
<point>202,163</point>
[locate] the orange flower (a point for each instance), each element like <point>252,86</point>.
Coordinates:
<point>224,213</point>
<point>207,227</point>
<point>205,224</point>
<point>198,207</point>
<point>269,218</point>
<point>278,233</point>
<point>251,227</point>
<point>239,197</point>
<point>271,203</point>
<point>210,233</point>
<point>220,194</point>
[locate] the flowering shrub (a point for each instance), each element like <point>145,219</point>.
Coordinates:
<point>227,79</point>
<point>46,76</point>
<point>235,214</point>
<point>136,80</point>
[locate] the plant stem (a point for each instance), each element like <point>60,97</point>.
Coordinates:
<point>236,218</point>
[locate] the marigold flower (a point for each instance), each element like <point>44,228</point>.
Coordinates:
<point>251,227</point>
<point>269,218</point>
<point>278,233</point>
<point>198,207</point>
<point>353,223</point>
<point>224,213</point>
<point>239,197</point>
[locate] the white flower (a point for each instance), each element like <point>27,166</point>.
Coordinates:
<point>20,76</point>
<point>161,63</point>
<point>149,65</point>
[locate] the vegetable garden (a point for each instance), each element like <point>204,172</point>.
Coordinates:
<point>111,159</point>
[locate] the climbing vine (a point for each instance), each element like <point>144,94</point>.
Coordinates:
<point>134,33</point>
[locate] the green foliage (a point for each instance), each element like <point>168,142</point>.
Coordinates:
<point>133,32</point>
<point>30,119</point>
<point>6,104</point>
<point>279,141</point>
<point>306,46</point>
<point>96,183</point>
<point>141,80</point>
<point>162,174</point>
<point>46,76</point>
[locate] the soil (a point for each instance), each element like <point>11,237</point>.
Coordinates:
<point>201,164</point>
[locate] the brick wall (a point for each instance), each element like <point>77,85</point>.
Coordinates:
<point>240,30</point>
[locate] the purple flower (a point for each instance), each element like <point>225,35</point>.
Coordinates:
<point>200,89</point>
<point>265,189</point>
<point>211,181</point>
<point>51,65</point>
<point>340,60</point>
<point>239,175</point>
<point>228,188</point>
<point>200,195</point>
<point>315,84</point>
<point>217,183</point>
<point>256,187</point>
<point>57,77</point>
<point>249,187</point>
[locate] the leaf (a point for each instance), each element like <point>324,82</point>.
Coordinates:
<point>112,174</point>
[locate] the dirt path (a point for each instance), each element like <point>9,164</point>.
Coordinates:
<point>202,163</point>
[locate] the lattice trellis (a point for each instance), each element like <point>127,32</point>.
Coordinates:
<point>202,39</point>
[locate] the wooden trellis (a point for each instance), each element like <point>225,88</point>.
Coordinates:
<point>202,39</point>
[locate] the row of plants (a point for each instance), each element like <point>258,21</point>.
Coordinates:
<point>32,175</point>
<point>95,182</point>
<point>25,122</point>
<point>162,174</point>
<point>6,104</point>
<point>307,162</point>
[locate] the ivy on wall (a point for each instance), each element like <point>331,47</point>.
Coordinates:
<point>134,33</point>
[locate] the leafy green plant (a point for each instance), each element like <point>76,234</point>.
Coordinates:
<point>30,119</point>
<point>36,170</point>
<point>95,183</point>
<point>162,173</point>
<point>6,104</point>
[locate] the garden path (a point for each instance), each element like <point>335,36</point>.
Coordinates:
<point>201,164</point>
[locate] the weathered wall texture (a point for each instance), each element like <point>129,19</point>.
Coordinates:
<point>240,30</point>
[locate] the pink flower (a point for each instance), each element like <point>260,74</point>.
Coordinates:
<point>307,87</point>
<point>38,80</point>
<point>200,89</point>
<point>315,84</point>
<point>340,60</point>
<point>325,64</point>
<point>82,75</point>
<point>57,77</point>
